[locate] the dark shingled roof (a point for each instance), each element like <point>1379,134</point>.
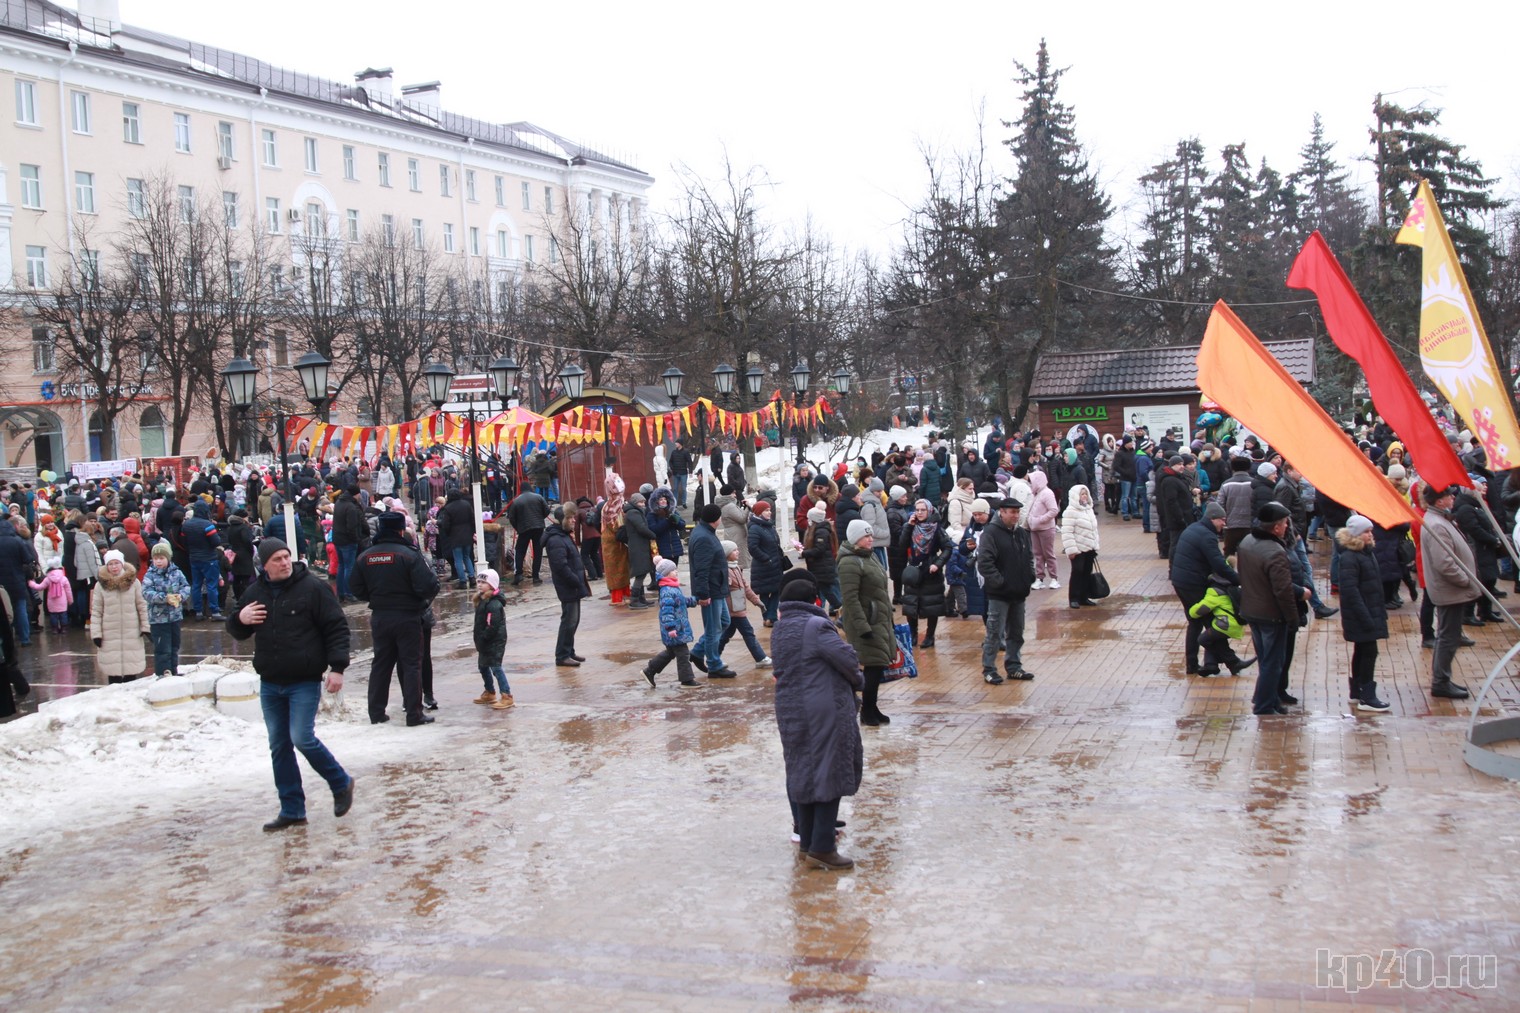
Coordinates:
<point>1141,370</point>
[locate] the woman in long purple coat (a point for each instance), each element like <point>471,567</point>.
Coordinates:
<point>817,674</point>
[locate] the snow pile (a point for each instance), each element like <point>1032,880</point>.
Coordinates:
<point>102,754</point>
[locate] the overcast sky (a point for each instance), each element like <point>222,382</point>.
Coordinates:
<point>834,100</point>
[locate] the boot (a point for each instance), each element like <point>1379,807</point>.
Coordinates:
<point>1368,700</point>
<point>831,862</point>
<point>1449,690</point>
<point>503,702</point>
<point>486,698</point>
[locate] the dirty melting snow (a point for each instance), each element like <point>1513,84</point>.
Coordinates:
<point>99,756</point>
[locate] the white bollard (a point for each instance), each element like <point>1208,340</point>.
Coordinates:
<point>170,692</point>
<point>237,695</point>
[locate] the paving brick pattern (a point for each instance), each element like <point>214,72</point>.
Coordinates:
<point>1114,834</point>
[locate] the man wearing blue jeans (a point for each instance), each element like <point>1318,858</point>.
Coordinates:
<point>709,585</point>
<point>299,632</point>
<point>203,543</point>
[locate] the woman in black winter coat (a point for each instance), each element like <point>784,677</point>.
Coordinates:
<point>766,561</point>
<point>926,547</point>
<point>1487,547</point>
<point>1364,616</point>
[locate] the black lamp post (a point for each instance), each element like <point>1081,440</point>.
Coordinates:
<point>753,378</point>
<point>242,380</point>
<point>504,373</point>
<point>801,376</point>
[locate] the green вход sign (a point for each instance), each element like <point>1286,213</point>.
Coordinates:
<point>1081,413</point>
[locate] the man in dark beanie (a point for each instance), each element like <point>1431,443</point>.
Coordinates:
<point>299,632</point>
<point>399,585</point>
<point>709,585</point>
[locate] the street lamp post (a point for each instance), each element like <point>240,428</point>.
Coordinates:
<point>504,373</point>
<point>573,379</point>
<point>801,375</point>
<point>242,378</point>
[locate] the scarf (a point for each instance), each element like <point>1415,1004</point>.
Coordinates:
<point>923,537</point>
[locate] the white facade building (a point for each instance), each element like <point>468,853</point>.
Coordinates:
<point>97,113</point>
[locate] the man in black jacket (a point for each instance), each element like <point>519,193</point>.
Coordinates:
<point>569,575</point>
<point>456,536</point>
<point>299,632</point>
<point>1174,501</point>
<point>1195,558</point>
<point>1005,563</point>
<point>348,530</point>
<point>680,468</point>
<point>528,514</point>
<point>399,585</point>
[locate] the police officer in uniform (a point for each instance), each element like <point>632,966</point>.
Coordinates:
<point>399,585</point>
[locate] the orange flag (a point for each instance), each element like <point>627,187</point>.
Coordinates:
<point>1236,371</point>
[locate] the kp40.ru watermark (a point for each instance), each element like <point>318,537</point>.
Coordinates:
<point>1417,968</point>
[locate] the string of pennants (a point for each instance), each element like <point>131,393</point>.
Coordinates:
<point>582,424</point>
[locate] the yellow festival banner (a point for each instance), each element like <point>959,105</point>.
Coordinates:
<point>1453,346</point>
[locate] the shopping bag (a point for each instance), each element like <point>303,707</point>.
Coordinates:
<point>902,665</point>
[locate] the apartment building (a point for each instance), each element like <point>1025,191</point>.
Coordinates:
<point>104,114</point>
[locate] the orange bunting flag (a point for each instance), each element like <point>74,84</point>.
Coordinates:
<point>659,429</point>
<point>1453,346</point>
<point>686,417</point>
<point>317,433</point>
<point>293,428</point>
<point>1235,370</point>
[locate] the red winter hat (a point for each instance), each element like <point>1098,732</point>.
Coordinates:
<point>761,507</point>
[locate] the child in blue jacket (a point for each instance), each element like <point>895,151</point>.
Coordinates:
<point>675,627</point>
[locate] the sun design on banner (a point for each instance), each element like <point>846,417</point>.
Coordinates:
<point>1450,350</point>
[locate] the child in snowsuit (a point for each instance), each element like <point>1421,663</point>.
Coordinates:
<point>1218,609</point>
<point>57,595</point>
<point>165,589</point>
<point>491,640</point>
<point>675,627</point>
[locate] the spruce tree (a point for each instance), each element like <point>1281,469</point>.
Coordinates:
<point>1171,265</point>
<point>1050,232</point>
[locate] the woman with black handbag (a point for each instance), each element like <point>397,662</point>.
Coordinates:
<point>1079,536</point>
<point>928,549</point>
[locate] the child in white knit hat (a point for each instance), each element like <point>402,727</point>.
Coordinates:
<point>675,626</point>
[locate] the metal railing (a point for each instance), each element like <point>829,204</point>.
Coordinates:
<point>37,18</point>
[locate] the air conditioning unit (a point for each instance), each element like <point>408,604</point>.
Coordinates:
<point>224,162</point>
<point>294,214</point>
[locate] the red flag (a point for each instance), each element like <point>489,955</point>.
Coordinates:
<point>1354,332</point>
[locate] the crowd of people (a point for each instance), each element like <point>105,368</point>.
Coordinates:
<point>927,533</point>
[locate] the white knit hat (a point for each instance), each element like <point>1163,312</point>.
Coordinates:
<point>856,530</point>
<point>114,555</point>
<point>817,515</point>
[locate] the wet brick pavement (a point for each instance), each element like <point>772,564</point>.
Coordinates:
<point>1112,835</point>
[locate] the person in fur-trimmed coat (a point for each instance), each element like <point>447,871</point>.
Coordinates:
<point>1079,537</point>
<point>119,621</point>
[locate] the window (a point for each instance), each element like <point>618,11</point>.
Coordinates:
<point>316,220</point>
<point>131,123</point>
<point>36,266</point>
<point>349,172</point>
<point>443,180</point>
<point>277,280</point>
<point>43,351</point>
<point>270,153</point>
<point>548,200</point>
<point>235,277</point>
<point>89,269</point>
<point>413,174</point>
<point>501,192</point>
<point>474,241</point>
<point>528,248</point>
<point>553,250</point>
<point>150,365</point>
<point>385,169</point>
<point>503,244</point>
<point>280,346</point>
<point>272,213</point>
<point>31,186</point>
<point>186,203</point>
<point>182,132</point>
<point>230,208</point>
<point>311,154</point>
<point>142,270</point>
<point>79,102</point>
<point>224,140</point>
<point>388,229</point>
<point>84,192</point>
<point>353,225</point>
<point>137,205</point>
<point>417,233</point>
<point>469,184</point>
<point>448,238</point>
<point>26,102</point>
